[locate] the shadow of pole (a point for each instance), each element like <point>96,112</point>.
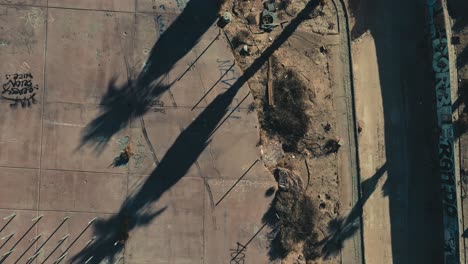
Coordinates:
<point>339,229</point>
<point>10,218</point>
<point>184,152</point>
<point>238,180</point>
<point>199,56</point>
<point>344,228</point>
<point>122,104</point>
<point>457,10</point>
<point>34,240</point>
<point>35,220</point>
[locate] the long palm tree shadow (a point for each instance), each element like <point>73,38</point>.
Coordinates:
<point>340,229</point>
<point>173,166</point>
<point>457,10</point>
<point>177,161</point>
<point>122,104</point>
<point>344,228</point>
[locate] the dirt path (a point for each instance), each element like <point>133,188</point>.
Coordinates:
<point>352,251</point>
<point>394,94</point>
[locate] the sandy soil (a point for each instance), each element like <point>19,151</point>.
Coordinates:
<point>312,54</point>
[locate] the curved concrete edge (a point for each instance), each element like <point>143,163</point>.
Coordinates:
<point>457,147</point>
<point>353,248</point>
<point>443,70</point>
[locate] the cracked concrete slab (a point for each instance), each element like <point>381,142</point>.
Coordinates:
<point>20,191</point>
<point>236,219</point>
<point>78,192</point>
<point>50,170</point>
<point>108,5</point>
<point>63,129</point>
<point>94,48</point>
<point>176,236</point>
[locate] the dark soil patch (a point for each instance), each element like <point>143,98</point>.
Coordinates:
<point>287,118</point>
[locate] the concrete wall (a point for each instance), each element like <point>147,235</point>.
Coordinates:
<point>447,168</point>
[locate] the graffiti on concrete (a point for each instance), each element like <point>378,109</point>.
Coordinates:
<point>226,71</point>
<point>4,43</point>
<point>450,244</point>
<point>158,106</point>
<point>34,17</point>
<point>20,89</point>
<point>139,156</point>
<point>227,75</point>
<point>448,177</point>
<point>238,254</point>
<point>157,103</point>
<point>123,142</point>
<point>161,23</point>
<point>441,67</point>
<point>181,3</point>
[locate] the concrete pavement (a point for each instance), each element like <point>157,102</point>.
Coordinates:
<point>72,50</point>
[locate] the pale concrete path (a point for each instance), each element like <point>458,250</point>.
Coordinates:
<point>398,144</point>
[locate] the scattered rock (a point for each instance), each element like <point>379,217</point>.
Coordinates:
<point>333,145</point>
<point>272,153</point>
<point>289,181</point>
<point>253,18</point>
<point>323,50</point>
<point>245,50</point>
<point>227,17</point>
<point>300,260</point>
<point>327,127</point>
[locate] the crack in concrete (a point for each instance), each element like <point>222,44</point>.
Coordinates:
<point>148,142</point>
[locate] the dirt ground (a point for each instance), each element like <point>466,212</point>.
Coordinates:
<point>309,60</point>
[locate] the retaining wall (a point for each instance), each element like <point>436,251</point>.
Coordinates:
<point>441,67</point>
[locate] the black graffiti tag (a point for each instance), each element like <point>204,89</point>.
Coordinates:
<point>440,66</point>
<point>226,72</point>
<point>19,87</point>
<point>227,77</point>
<point>238,254</point>
<point>160,22</point>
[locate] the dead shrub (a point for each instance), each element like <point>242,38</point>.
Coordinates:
<point>297,214</point>
<point>283,4</point>
<point>241,37</point>
<point>311,249</point>
<point>287,118</point>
